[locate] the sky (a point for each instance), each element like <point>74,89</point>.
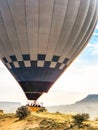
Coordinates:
<point>79,80</point>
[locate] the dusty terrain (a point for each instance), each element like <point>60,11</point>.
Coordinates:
<point>42,121</point>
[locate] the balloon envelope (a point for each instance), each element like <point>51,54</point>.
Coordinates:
<point>40,38</point>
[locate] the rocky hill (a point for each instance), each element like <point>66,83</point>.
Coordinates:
<point>93,98</point>
<point>86,105</point>
<point>44,121</point>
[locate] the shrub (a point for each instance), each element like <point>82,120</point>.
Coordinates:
<point>96,119</point>
<point>42,109</point>
<point>22,112</point>
<point>80,118</point>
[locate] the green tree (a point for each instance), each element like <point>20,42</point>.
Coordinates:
<point>80,118</point>
<point>22,112</point>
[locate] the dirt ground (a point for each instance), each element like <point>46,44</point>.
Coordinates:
<point>41,121</point>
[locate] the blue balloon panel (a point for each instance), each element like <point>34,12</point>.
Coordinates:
<point>35,79</point>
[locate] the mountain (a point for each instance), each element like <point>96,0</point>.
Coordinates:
<point>87,105</point>
<point>9,107</point>
<point>93,98</point>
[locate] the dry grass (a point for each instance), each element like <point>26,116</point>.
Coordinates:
<point>58,117</point>
<point>43,121</point>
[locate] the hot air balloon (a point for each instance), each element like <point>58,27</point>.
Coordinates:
<point>39,39</point>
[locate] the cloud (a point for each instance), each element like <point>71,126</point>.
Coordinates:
<point>95,34</point>
<point>74,84</point>
<point>94,48</point>
<point>97,26</point>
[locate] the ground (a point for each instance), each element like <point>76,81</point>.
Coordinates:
<point>43,121</point>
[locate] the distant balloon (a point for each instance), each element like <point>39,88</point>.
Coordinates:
<point>40,38</point>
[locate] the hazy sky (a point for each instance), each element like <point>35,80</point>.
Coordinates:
<point>79,80</point>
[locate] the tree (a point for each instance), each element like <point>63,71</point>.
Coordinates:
<point>80,118</point>
<point>22,112</point>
